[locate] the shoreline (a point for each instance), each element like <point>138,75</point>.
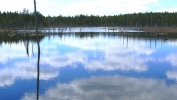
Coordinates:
<point>160,30</point>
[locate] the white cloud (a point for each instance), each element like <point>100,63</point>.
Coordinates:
<point>101,7</point>
<point>12,51</point>
<point>172,75</point>
<point>16,65</point>
<point>110,54</point>
<point>109,88</point>
<point>111,45</point>
<point>24,71</point>
<point>43,6</point>
<point>62,60</point>
<point>119,62</point>
<point>171,58</point>
<point>16,5</point>
<point>98,7</point>
<point>6,78</point>
<point>114,54</point>
<point>174,9</point>
<point>173,43</point>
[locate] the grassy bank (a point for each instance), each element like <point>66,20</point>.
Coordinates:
<point>158,29</point>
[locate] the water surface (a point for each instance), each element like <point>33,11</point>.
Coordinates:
<point>88,66</point>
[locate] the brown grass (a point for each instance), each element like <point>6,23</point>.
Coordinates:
<point>159,29</point>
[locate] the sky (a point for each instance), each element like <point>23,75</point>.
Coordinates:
<point>94,7</point>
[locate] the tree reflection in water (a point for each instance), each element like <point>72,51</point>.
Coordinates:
<point>38,61</point>
<point>38,70</point>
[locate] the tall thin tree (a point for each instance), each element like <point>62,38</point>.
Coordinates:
<point>38,62</point>
<point>35,13</point>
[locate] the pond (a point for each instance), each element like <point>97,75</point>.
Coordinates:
<point>88,66</point>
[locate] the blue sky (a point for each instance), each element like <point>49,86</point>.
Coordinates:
<point>95,7</point>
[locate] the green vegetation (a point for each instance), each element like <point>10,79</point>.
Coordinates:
<point>26,20</point>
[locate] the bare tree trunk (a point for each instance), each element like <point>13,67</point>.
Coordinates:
<point>38,68</point>
<point>35,17</point>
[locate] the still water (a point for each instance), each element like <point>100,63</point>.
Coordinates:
<point>88,66</point>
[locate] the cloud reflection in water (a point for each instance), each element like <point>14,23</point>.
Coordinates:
<point>115,56</point>
<point>109,88</point>
<point>9,75</point>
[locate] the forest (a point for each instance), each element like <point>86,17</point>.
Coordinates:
<point>26,20</point>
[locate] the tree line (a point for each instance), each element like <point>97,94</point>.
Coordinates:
<point>26,20</point>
